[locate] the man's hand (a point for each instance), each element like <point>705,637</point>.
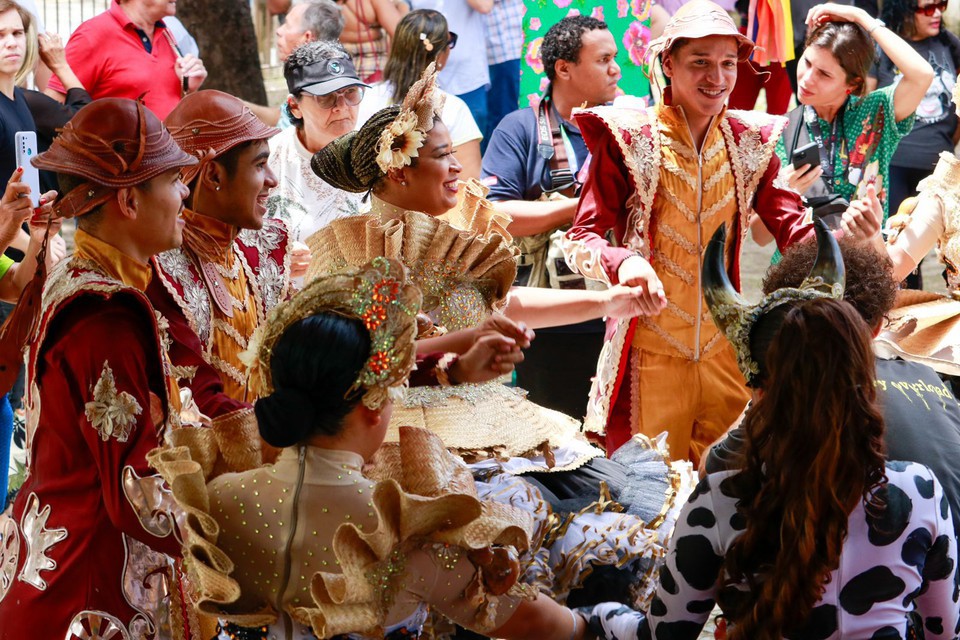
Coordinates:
<point>299,259</point>
<point>490,357</point>
<point>15,208</point>
<point>861,221</point>
<point>190,67</point>
<point>639,292</point>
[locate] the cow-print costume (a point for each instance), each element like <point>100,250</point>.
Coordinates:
<point>902,562</point>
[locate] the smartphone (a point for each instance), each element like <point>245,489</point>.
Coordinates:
<point>807,154</point>
<point>26,143</point>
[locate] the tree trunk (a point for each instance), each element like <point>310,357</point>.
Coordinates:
<point>228,45</point>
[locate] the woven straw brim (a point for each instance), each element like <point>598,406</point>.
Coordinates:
<point>488,418</point>
<point>925,327</point>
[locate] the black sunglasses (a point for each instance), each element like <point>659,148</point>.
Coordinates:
<point>452,42</point>
<point>931,9</point>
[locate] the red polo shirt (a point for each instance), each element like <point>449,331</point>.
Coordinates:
<point>110,60</point>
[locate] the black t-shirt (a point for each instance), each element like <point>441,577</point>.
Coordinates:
<point>14,116</point>
<point>936,116</point>
<point>922,417</point>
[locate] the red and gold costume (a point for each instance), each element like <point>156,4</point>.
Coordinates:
<point>90,549</point>
<point>220,284</point>
<point>663,198</point>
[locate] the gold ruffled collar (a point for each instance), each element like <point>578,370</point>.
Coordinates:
<point>113,261</point>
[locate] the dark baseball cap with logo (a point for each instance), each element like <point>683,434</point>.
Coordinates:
<point>323,77</point>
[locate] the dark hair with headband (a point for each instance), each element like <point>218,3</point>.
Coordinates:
<point>314,365</point>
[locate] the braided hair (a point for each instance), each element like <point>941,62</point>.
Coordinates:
<point>350,161</point>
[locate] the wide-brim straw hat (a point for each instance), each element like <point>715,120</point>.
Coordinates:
<point>699,19</point>
<point>482,421</point>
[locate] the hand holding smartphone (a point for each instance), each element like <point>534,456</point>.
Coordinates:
<point>26,150</point>
<point>808,154</point>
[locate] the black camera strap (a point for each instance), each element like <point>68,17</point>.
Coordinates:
<point>827,158</point>
<point>551,148</point>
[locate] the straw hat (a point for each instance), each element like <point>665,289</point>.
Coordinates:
<point>698,19</point>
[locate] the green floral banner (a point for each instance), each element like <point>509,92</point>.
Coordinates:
<point>628,20</point>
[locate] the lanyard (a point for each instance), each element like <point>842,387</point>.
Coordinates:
<point>827,161</point>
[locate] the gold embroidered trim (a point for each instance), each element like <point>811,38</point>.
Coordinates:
<point>231,331</point>
<point>717,206</point>
<point>678,238</point>
<point>680,313</point>
<point>682,174</point>
<point>712,181</point>
<point>113,414</point>
<point>194,302</point>
<point>228,369</point>
<point>716,148</point>
<point>688,213</point>
<point>662,333</point>
<point>672,267</point>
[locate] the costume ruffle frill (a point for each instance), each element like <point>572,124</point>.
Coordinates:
<point>464,264</point>
<point>924,326</point>
<point>423,495</point>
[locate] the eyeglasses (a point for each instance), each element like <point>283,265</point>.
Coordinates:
<point>351,97</point>
<point>930,9</point>
<point>452,41</point>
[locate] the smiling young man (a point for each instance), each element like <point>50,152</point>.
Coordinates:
<point>231,269</point>
<point>89,549</point>
<point>662,180</point>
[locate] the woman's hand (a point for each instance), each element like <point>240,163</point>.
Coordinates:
<point>190,67</point>
<point>861,221</point>
<point>39,221</point>
<point>299,259</point>
<point>831,12</point>
<point>499,324</point>
<point>800,178</point>
<point>52,51</point>
<point>490,357</point>
<point>15,208</point>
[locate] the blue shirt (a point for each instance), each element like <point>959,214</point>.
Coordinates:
<point>512,167</point>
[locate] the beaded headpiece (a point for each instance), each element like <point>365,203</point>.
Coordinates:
<point>378,295</point>
<point>401,140</point>
<point>735,317</point>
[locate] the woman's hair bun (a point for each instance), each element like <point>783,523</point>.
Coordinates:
<point>286,417</point>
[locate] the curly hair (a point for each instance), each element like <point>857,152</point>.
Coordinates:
<point>870,286</point>
<point>814,450</point>
<point>563,41</point>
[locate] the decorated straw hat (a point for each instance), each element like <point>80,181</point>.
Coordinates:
<point>698,19</point>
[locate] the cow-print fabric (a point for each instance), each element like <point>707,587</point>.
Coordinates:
<point>900,564</point>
